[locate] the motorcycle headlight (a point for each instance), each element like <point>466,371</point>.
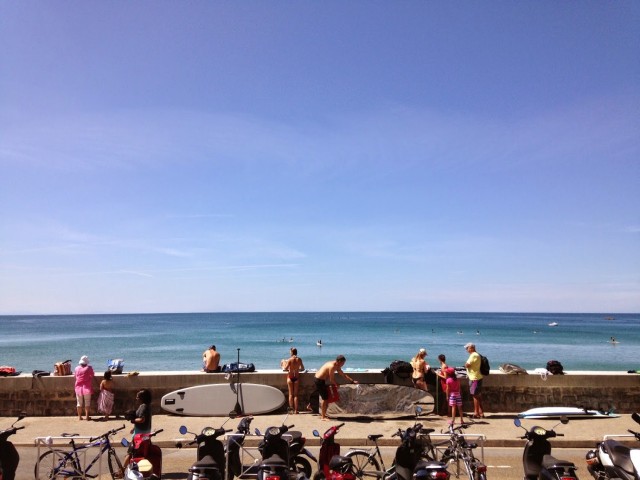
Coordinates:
<point>273,430</point>
<point>208,431</point>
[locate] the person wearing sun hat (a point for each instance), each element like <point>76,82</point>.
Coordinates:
<point>84,386</point>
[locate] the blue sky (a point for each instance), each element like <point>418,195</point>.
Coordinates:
<point>315,156</point>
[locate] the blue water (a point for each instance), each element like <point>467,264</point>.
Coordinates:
<point>368,340</point>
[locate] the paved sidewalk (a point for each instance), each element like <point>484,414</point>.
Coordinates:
<point>497,428</point>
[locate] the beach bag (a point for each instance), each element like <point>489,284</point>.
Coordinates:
<point>62,368</point>
<point>115,365</point>
<point>6,371</point>
<point>512,369</point>
<point>401,368</point>
<point>237,367</point>
<point>554,367</point>
<point>485,368</point>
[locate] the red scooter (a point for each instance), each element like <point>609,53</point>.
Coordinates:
<point>339,469</point>
<point>9,457</point>
<point>146,458</point>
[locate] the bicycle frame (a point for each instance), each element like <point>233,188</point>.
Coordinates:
<point>62,460</point>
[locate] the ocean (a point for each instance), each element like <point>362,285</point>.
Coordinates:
<point>369,340</point>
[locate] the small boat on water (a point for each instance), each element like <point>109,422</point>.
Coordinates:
<point>553,324</point>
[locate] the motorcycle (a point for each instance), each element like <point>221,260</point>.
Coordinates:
<point>340,469</point>
<point>146,458</point>
<point>9,457</point>
<point>613,460</point>
<point>210,455</point>
<point>537,461</point>
<point>409,458</point>
<point>282,450</point>
<point>235,441</point>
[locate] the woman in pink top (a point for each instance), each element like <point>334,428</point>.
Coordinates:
<point>84,386</point>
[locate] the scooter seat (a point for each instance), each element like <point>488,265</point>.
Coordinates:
<point>339,463</point>
<point>205,462</point>
<point>273,461</point>
<point>428,465</point>
<point>549,461</point>
<point>619,453</point>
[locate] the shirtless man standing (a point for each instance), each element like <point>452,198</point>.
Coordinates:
<point>327,372</point>
<point>211,360</point>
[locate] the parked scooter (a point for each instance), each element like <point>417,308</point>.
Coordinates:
<point>235,441</point>
<point>282,450</point>
<point>340,469</point>
<point>613,460</point>
<point>210,455</point>
<point>146,458</point>
<point>537,461</point>
<point>9,457</point>
<point>409,460</point>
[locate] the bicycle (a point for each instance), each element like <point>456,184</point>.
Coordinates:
<point>54,464</point>
<point>461,451</point>
<point>367,463</point>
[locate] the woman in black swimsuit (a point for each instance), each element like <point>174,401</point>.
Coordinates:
<point>293,366</point>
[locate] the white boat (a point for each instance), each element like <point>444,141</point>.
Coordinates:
<point>553,324</point>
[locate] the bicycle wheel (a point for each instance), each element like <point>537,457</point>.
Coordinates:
<point>54,464</point>
<point>365,466</point>
<point>115,465</point>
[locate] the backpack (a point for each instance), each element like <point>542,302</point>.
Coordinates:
<point>115,365</point>
<point>554,367</point>
<point>62,368</point>
<point>401,368</point>
<point>485,368</point>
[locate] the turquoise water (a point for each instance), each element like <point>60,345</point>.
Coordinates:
<point>368,340</point>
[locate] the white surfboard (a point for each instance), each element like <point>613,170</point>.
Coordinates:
<point>572,412</point>
<point>219,400</point>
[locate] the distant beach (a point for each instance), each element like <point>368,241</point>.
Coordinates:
<point>371,340</point>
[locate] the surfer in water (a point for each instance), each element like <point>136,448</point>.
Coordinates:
<point>328,372</point>
<point>211,360</point>
<point>293,366</point>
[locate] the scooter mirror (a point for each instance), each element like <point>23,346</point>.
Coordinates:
<point>316,433</point>
<point>418,410</point>
<point>564,420</point>
<point>124,442</point>
<point>183,430</point>
<point>257,432</point>
<point>22,415</point>
<point>517,422</point>
<point>636,417</point>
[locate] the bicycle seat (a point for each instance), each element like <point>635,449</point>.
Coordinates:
<point>374,437</point>
<point>69,434</point>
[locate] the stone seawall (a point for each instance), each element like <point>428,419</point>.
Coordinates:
<point>54,396</point>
